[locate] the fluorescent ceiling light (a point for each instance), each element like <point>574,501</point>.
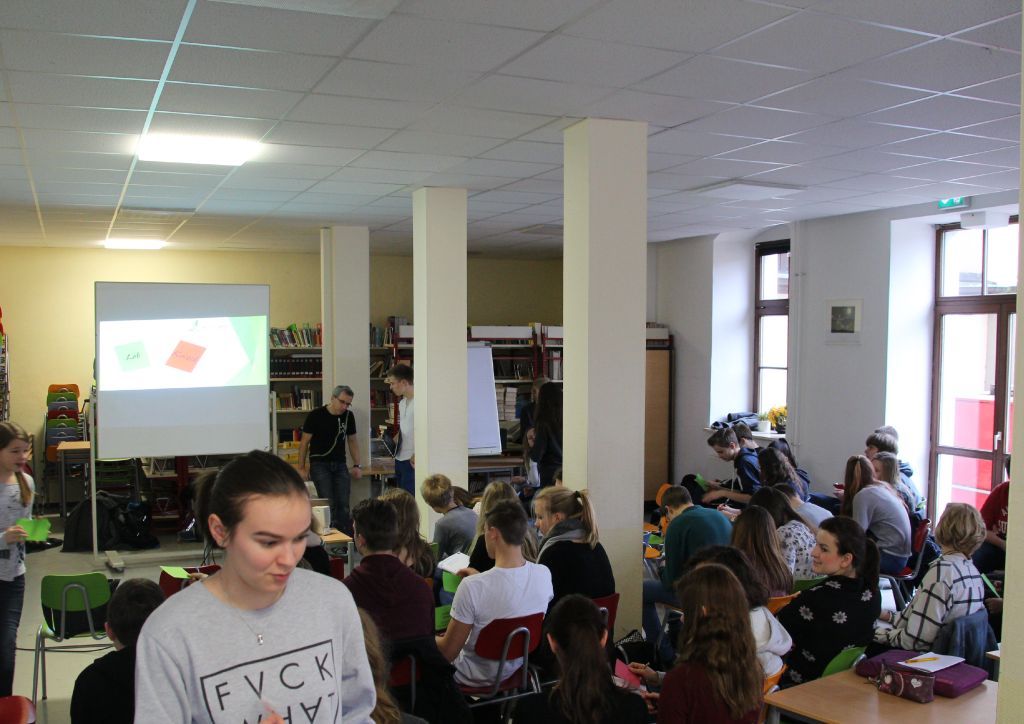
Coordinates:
<point>134,243</point>
<point>185,148</point>
<point>375,9</point>
<point>747,190</point>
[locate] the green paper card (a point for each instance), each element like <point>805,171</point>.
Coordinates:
<point>175,571</point>
<point>132,356</point>
<point>37,530</point>
<point>701,481</point>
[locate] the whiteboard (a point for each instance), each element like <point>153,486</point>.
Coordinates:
<point>482,430</point>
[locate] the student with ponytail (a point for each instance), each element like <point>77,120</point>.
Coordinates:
<point>15,503</point>
<point>251,621</point>
<point>717,678</point>
<point>570,546</point>
<point>585,692</point>
<point>839,612</point>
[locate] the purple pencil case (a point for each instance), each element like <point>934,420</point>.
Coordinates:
<point>950,682</point>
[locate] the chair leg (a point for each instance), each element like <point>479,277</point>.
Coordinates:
<point>35,670</point>
<point>42,660</point>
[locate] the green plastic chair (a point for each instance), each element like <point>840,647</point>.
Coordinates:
<point>442,615</point>
<point>655,540</point>
<point>844,660</point>
<point>83,593</point>
<point>61,397</point>
<point>436,550</point>
<point>449,581</point>
<point>804,584</point>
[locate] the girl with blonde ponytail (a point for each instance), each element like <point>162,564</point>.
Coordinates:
<point>570,545</point>
<point>16,494</point>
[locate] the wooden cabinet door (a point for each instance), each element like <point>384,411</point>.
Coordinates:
<point>657,427</point>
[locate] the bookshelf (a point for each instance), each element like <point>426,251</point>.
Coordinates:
<point>296,376</point>
<point>5,380</point>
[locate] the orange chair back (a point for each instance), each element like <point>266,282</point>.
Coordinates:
<point>661,493</point>
<point>777,603</point>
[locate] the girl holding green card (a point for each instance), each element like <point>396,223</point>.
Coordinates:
<point>15,503</point>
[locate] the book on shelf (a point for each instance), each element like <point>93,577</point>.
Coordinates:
<point>307,335</point>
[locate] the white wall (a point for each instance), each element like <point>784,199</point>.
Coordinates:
<point>732,321</point>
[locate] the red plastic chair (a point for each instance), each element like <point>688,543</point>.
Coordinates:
<point>16,710</point>
<point>908,574</point>
<point>502,640</point>
<point>609,607</point>
<point>171,585</point>
<point>405,673</point>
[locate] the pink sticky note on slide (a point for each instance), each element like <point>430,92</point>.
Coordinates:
<point>185,356</point>
<point>631,679</point>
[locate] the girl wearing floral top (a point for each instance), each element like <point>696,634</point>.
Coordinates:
<point>796,539</point>
<point>839,612</point>
<point>15,503</point>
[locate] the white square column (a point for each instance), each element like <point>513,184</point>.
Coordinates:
<point>345,308</point>
<point>605,308</point>
<point>439,346</point>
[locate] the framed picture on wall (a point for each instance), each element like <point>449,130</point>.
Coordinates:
<point>843,320</point>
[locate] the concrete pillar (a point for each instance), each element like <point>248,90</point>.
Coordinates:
<point>345,310</point>
<point>439,349</point>
<point>1011,665</point>
<point>605,282</point>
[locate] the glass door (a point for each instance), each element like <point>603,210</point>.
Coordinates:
<point>973,402</point>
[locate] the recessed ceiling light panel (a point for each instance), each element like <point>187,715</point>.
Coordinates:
<point>185,148</point>
<point>747,190</point>
<point>145,244</point>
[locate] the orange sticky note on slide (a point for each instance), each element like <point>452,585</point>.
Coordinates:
<point>185,356</point>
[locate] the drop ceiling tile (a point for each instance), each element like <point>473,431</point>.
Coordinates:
<point>873,182</point>
<point>535,185</point>
<point>684,183</point>
<point>487,167</point>
<point>226,194</point>
<point>12,171</point>
<point>466,181</point>
<point>821,193</point>
<point>519,198</point>
<point>370,112</point>
<point>194,123</point>
<point>80,142</point>
<point>48,156</point>
<point>840,96</point>
<point>313,155</point>
<point>81,91</point>
<point>1006,90</point>
<point>1006,129</point>
<point>1008,157</point>
<point>185,196</point>
<point>819,43</point>
<point>944,65</point>
<point>854,134</point>
<point>77,55</point>
<point>11,156</point>
<point>367,79</point>
<point>752,122</point>
<point>51,174</point>
<point>867,160</point>
<point>945,170</point>
<point>478,122</point>
<point>660,110</point>
<point>384,176</point>
<point>942,113</point>
<point>239,209</point>
<point>268,28</point>
<point>891,200</point>
<point>1001,180</point>
<point>945,145</point>
<point>256,183</point>
<point>950,189</point>
<point>782,152</point>
<point>148,19</point>
<point>722,79</point>
<point>446,144</point>
<point>354,187</point>
<point>407,161</point>
<point>442,44</point>
<point>160,178</point>
<point>529,14</point>
<point>226,101</point>
<point>547,97</point>
<point>940,17</point>
<point>666,161</point>
<point>263,170</point>
<point>249,68</point>
<point>581,60</point>
<point>529,151</point>
<point>319,134</point>
<point>727,168</point>
<point>9,138</point>
<point>691,142</point>
<point>1003,34</point>
<point>693,27</point>
<point>173,170</point>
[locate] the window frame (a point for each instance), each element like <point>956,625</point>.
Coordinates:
<point>767,308</point>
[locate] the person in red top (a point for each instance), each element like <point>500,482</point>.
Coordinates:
<point>995,512</point>
<point>717,678</point>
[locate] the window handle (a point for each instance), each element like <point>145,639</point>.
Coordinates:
<point>996,439</point>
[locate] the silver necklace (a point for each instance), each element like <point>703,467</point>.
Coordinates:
<point>238,614</point>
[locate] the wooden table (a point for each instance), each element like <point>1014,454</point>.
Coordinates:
<point>336,537</point>
<point>846,697</point>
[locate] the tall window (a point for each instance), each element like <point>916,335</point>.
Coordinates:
<point>972,381</point>
<point>771,325</point>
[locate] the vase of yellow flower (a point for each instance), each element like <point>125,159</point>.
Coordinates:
<point>777,416</point>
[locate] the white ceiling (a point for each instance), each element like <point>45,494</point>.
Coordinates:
<point>867,103</point>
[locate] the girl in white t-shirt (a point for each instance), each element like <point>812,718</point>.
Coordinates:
<point>15,503</point>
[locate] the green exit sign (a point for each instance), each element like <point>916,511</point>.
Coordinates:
<point>957,202</point>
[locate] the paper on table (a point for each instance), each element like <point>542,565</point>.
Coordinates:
<point>175,571</point>
<point>454,563</point>
<point>931,662</point>
<point>37,529</point>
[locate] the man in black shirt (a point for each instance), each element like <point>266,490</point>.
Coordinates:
<point>322,457</point>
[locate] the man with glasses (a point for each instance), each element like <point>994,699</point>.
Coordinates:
<point>322,459</point>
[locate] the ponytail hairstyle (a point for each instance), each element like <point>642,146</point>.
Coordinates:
<point>496,492</point>
<point>777,505</point>
<point>716,636</point>
<point>859,474</point>
<point>386,711</point>
<point>851,538</point>
<point>572,504</point>
<point>411,548</point>
<point>225,493</point>
<point>462,496</point>
<point>753,532</point>
<point>9,432</point>
<point>584,691</point>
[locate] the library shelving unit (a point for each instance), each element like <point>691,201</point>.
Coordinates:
<point>551,343</point>
<point>514,354</point>
<point>5,380</point>
<point>296,374</point>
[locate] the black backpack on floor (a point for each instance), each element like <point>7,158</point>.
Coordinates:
<point>78,529</point>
